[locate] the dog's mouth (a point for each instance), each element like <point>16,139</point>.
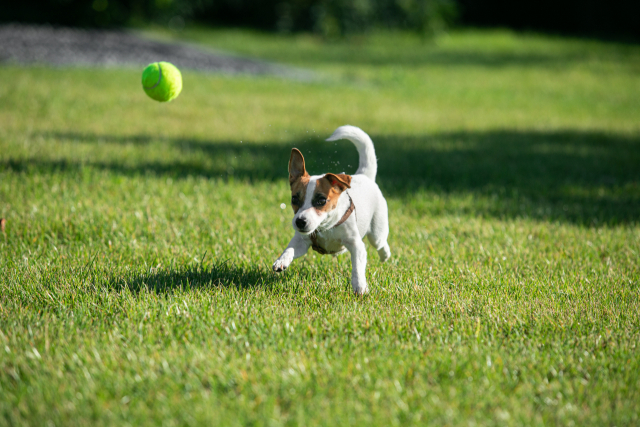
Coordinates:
<point>304,231</point>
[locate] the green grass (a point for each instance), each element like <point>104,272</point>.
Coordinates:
<point>135,266</point>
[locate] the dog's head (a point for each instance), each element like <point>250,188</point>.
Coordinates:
<point>314,198</point>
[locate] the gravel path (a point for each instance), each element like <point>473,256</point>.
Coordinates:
<point>27,44</point>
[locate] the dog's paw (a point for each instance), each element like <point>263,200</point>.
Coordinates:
<point>280,265</point>
<point>384,252</point>
<point>361,291</point>
<point>360,287</point>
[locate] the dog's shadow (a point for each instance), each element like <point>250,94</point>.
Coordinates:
<point>226,274</point>
<point>219,274</point>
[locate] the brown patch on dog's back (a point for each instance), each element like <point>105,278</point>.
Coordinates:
<point>331,186</point>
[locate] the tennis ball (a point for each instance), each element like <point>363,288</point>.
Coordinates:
<point>162,81</point>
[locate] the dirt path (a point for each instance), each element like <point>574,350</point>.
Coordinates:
<point>27,44</point>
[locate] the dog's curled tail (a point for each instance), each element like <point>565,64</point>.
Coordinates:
<point>368,164</point>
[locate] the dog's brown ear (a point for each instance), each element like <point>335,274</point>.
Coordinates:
<point>296,166</point>
<point>341,181</point>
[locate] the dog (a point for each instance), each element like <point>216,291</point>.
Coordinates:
<point>334,212</point>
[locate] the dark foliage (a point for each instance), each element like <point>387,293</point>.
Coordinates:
<point>331,18</point>
<point>609,18</point>
<point>334,18</point>
<point>100,13</point>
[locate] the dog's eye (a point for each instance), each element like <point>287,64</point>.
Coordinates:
<point>294,200</point>
<point>320,201</point>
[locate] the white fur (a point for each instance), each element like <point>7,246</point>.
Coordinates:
<point>370,217</point>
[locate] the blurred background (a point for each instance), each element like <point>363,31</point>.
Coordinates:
<point>337,18</point>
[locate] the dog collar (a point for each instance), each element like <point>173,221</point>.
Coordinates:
<point>314,236</point>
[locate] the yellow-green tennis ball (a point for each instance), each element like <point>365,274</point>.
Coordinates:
<point>162,81</point>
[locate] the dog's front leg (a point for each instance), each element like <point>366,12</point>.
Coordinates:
<point>296,248</point>
<point>358,266</point>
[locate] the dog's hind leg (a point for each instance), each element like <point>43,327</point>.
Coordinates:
<point>379,232</point>
<point>384,252</point>
<point>358,266</point>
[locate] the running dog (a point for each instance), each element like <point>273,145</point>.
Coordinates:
<point>333,212</point>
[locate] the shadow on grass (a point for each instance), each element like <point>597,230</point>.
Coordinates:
<point>586,178</point>
<point>221,274</point>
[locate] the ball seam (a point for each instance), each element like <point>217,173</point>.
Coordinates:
<point>159,78</point>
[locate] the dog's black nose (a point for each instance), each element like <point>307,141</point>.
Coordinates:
<point>301,223</point>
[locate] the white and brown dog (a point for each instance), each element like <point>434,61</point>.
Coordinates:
<point>333,212</point>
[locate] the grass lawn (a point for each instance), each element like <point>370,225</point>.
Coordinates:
<point>135,268</point>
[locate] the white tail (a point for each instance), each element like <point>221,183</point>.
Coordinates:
<point>368,165</point>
